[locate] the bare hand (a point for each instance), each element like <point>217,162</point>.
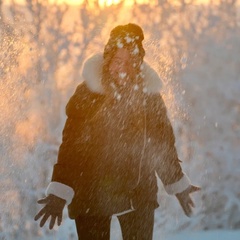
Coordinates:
<point>53,208</point>
<point>185,200</point>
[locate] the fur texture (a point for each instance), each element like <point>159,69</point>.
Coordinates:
<point>92,75</point>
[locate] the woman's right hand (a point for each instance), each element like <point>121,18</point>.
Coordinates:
<point>53,208</point>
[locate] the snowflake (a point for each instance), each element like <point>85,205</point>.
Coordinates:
<point>122,75</point>
<point>136,50</point>
<point>117,95</point>
<point>128,39</point>
<point>119,44</point>
<point>136,87</point>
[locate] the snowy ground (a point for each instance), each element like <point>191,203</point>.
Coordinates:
<point>185,235</point>
<point>158,233</point>
<point>208,235</point>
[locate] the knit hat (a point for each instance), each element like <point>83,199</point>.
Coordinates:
<point>130,36</point>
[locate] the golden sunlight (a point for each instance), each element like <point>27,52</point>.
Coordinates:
<point>107,3</point>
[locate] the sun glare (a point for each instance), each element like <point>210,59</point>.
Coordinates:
<point>108,3</point>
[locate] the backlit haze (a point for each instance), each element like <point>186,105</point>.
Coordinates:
<point>107,3</point>
<point>195,50</point>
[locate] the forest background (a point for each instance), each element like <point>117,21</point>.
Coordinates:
<point>194,47</point>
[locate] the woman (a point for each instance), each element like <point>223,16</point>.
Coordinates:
<point>116,139</point>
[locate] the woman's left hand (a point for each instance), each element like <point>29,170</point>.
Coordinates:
<point>185,200</point>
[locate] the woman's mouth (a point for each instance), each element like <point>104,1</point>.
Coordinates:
<point>122,77</point>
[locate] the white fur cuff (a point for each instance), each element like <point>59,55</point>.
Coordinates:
<point>178,186</point>
<point>60,190</point>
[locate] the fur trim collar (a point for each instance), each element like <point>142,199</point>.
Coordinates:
<point>92,75</point>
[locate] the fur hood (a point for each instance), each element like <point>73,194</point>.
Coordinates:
<point>92,75</point>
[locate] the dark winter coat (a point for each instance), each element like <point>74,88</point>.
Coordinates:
<point>110,159</point>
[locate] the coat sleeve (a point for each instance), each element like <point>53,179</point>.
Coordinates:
<point>66,171</point>
<point>168,166</point>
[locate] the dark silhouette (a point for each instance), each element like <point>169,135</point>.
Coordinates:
<point>116,139</point>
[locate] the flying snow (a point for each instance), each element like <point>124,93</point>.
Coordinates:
<point>122,75</point>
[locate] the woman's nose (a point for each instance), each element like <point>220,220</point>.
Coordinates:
<point>122,66</point>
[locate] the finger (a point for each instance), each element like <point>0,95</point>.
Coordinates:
<point>185,206</point>
<point>43,200</point>
<point>194,189</point>
<point>59,219</point>
<point>52,222</point>
<point>41,212</point>
<point>190,202</point>
<point>187,209</point>
<point>44,219</point>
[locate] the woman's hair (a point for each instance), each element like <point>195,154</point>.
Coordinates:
<point>128,36</point>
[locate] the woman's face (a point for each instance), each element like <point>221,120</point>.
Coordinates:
<point>121,67</point>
